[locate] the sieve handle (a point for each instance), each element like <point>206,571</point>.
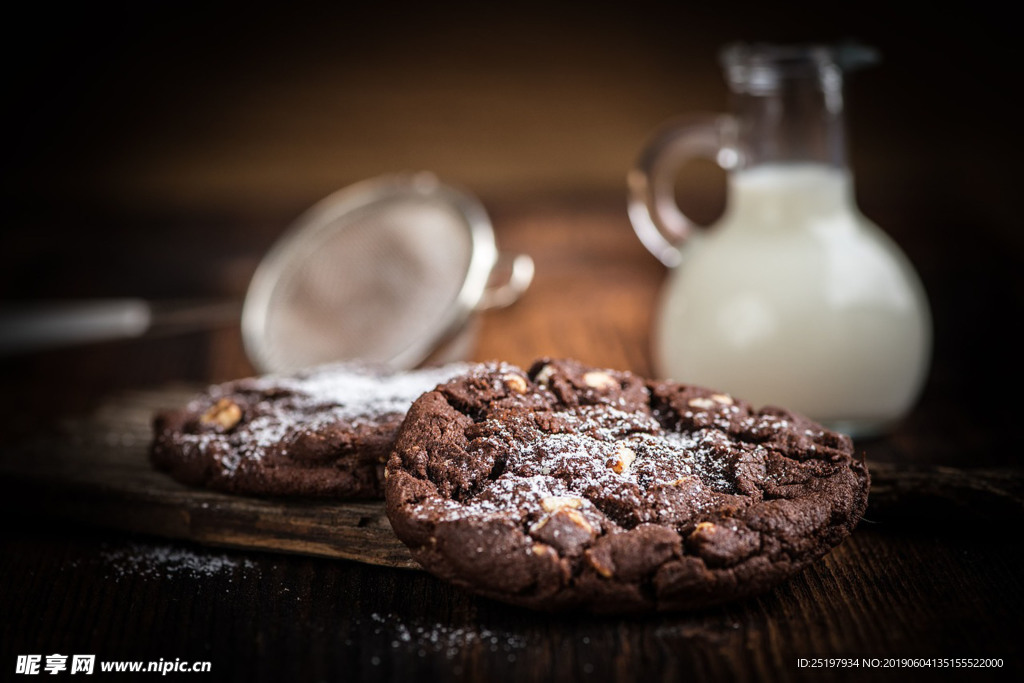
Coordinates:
<point>72,323</point>
<point>510,277</point>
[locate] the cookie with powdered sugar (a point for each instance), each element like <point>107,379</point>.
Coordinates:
<point>571,487</point>
<point>325,432</point>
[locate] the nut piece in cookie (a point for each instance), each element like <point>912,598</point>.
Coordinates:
<point>623,458</point>
<point>225,414</point>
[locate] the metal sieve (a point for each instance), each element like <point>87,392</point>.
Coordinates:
<point>388,271</point>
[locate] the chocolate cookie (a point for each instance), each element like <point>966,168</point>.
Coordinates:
<point>325,432</point>
<point>576,488</point>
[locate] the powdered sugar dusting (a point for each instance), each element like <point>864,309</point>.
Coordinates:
<point>614,458</point>
<point>583,458</point>
<point>156,561</point>
<point>277,410</point>
<point>353,393</point>
<point>435,637</point>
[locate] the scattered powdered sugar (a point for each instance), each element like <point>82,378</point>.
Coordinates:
<point>720,417</point>
<point>510,490</point>
<point>353,392</point>
<point>262,432</point>
<point>608,423</point>
<point>591,449</point>
<point>698,454</point>
<point>764,426</point>
<point>435,637</point>
<point>156,561</point>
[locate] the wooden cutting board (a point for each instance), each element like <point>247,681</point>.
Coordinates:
<point>96,471</point>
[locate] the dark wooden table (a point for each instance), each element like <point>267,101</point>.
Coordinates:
<point>943,584</point>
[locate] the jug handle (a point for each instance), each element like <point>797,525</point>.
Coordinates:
<point>659,223</point>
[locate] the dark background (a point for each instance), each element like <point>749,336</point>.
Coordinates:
<point>189,107</point>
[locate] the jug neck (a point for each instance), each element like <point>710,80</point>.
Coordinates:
<point>788,105</point>
<point>790,197</point>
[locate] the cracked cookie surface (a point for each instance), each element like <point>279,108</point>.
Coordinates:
<point>569,487</point>
<point>325,432</point>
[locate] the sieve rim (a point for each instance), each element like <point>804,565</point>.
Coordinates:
<point>378,191</point>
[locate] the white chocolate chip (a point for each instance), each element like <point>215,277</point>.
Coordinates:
<point>599,380</point>
<point>701,402</point>
<point>553,503</point>
<point>722,398</point>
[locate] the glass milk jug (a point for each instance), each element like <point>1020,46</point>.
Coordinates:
<point>792,298</point>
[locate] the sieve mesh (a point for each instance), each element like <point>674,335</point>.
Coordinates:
<point>367,284</point>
